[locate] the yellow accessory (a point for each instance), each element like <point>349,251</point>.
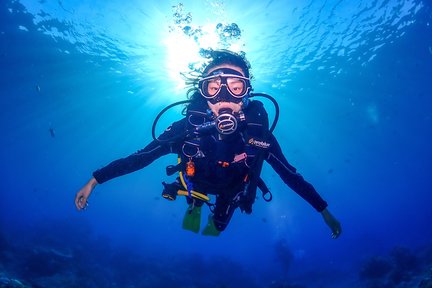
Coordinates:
<point>194,194</point>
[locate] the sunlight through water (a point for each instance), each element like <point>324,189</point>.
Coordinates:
<point>155,32</point>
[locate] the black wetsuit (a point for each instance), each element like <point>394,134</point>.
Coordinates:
<point>215,172</point>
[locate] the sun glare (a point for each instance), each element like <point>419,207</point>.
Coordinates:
<point>183,44</point>
<point>183,50</point>
<point>184,40</point>
<point>180,51</point>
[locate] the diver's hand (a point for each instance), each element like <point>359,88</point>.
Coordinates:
<point>82,195</point>
<point>332,222</point>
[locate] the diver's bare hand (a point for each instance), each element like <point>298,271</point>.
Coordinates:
<point>333,223</point>
<point>81,198</point>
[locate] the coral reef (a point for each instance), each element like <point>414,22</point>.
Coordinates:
<point>72,257</point>
<point>60,254</point>
<point>401,268</point>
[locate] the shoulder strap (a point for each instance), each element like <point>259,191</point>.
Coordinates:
<point>256,136</point>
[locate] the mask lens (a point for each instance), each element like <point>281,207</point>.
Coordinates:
<point>211,86</point>
<point>236,86</point>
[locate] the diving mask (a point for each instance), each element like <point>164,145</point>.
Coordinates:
<point>224,85</point>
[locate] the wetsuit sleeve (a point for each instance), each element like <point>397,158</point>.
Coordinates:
<point>293,179</point>
<point>143,157</point>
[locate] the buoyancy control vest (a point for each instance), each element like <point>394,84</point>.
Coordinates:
<point>226,163</point>
<point>214,163</point>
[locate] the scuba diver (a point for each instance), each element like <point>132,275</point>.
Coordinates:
<point>221,142</point>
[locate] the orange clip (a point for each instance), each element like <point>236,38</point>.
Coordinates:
<point>223,164</point>
<point>190,168</point>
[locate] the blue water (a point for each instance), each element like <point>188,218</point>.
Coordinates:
<point>81,82</point>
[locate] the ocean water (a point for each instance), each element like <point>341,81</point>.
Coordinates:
<point>82,81</point>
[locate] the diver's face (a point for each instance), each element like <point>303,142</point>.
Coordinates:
<point>236,86</point>
<point>224,87</point>
<point>230,76</point>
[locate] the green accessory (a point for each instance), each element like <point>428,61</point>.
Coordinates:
<point>210,229</point>
<point>192,218</point>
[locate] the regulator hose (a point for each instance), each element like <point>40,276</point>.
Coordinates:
<point>272,127</point>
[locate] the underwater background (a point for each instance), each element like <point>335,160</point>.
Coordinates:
<point>82,81</point>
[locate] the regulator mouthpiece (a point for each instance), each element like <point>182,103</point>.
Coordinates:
<point>226,123</point>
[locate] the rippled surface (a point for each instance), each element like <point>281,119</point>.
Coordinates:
<point>297,34</point>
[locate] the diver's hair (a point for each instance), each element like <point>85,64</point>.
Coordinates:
<point>215,58</point>
<point>219,57</point>
<point>191,80</point>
